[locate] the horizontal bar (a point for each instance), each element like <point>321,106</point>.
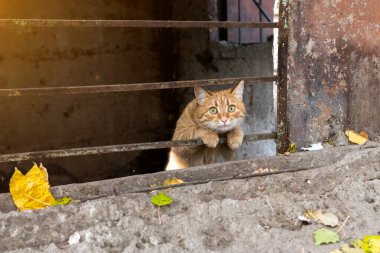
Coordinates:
<point>129,87</point>
<point>116,148</point>
<point>20,23</point>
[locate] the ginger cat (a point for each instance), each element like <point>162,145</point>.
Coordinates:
<point>209,115</point>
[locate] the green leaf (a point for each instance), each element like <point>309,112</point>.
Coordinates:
<point>292,147</point>
<point>161,199</point>
<point>325,236</point>
<point>62,201</point>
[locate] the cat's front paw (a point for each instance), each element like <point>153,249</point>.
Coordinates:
<point>235,139</point>
<point>210,140</point>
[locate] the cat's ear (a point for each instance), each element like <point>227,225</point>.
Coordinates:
<point>201,94</point>
<point>237,91</point>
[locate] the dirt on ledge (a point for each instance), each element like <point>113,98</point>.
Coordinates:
<point>253,214</point>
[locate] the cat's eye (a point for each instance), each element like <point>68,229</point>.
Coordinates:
<point>231,108</point>
<point>213,110</point>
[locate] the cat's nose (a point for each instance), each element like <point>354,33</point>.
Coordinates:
<point>224,119</point>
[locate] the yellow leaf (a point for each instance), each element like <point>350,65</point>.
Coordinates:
<point>292,147</point>
<point>355,138</point>
<point>32,190</point>
<point>173,181</point>
<point>364,135</point>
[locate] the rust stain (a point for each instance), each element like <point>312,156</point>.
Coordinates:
<point>326,112</point>
<point>329,41</point>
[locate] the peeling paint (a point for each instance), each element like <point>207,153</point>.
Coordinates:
<point>309,47</point>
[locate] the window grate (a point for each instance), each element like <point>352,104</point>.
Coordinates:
<point>130,87</point>
<point>21,23</point>
<point>281,135</point>
<point>118,148</point>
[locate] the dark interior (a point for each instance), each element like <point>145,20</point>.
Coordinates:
<point>46,57</point>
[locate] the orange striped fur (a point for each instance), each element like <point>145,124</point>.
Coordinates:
<point>208,116</point>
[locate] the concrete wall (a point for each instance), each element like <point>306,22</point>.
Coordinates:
<point>334,69</point>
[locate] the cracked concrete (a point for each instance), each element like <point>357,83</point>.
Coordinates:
<point>256,214</point>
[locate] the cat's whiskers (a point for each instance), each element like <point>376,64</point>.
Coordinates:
<point>207,114</point>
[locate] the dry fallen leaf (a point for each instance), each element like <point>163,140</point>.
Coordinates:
<point>32,190</point>
<point>355,138</point>
<point>364,135</point>
<point>173,181</point>
<point>328,219</point>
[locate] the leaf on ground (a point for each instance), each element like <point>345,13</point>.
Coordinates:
<point>328,219</point>
<point>62,201</point>
<point>32,190</point>
<point>364,135</point>
<point>369,244</point>
<point>161,199</point>
<point>355,138</point>
<point>325,236</point>
<point>173,181</point>
<point>309,216</point>
<point>292,147</point>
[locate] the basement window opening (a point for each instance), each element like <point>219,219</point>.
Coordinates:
<point>245,11</point>
<point>120,122</point>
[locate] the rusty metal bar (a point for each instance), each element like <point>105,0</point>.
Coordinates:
<point>21,23</point>
<point>282,89</point>
<point>116,148</point>
<point>129,87</point>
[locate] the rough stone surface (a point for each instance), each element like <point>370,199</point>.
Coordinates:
<point>256,214</point>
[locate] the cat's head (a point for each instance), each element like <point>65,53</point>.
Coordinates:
<point>221,110</point>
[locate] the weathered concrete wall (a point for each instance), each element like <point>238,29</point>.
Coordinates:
<point>202,56</point>
<point>334,68</point>
<point>41,57</point>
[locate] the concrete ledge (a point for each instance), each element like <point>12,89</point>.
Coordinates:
<point>257,214</point>
<point>141,183</point>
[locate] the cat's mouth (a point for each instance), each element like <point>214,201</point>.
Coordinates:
<point>224,128</point>
<point>221,128</point>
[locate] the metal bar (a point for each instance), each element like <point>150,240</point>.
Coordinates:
<point>282,93</point>
<point>239,19</point>
<point>21,23</point>
<point>260,19</point>
<point>258,5</point>
<point>117,148</point>
<point>129,87</point>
